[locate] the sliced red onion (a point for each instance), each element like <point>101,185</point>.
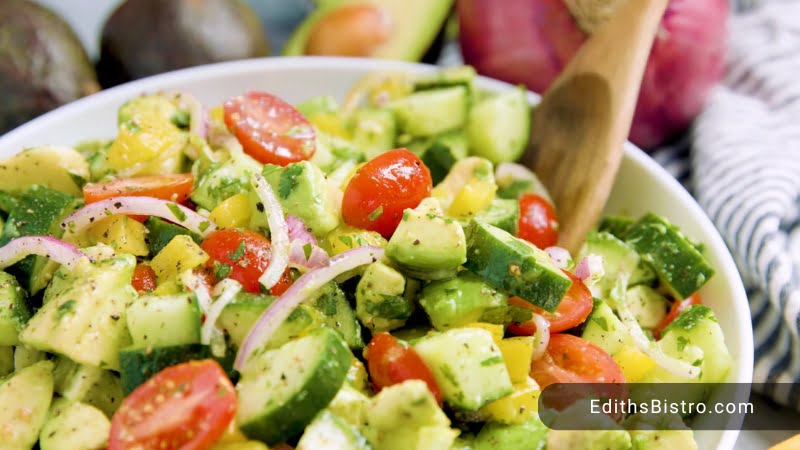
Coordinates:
<point>299,231</point>
<point>278,233</point>
<point>307,284</point>
<point>542,336</point>
<point>55,249</point>
<point>143,206</point>
<point>590,269</point>
<point>560,256</point>
<point>306,256</point>
<point>582,270</point>
<point>225,291</point>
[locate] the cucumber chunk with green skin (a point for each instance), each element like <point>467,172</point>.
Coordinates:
<point>25,356</point>
<point>137,365</point>
<point>14,311</point>
<point>240,315</point>
<point>619,259</point>
<point>280,394</point>
<point>443,152</point>
<point>697,325</point>
<point>25,398</point>
<point>380,303</point>
<point>530,435</point>
<point>74,426</point>
<point>604,329</point>
<point>8,201</point>
<point>431,112</point>
<point>446,77</point>
<point>164,320</point>
<point>459,301</point>
<point>337,313</point>
<point>617,225</point>
<point>501,213</point>
<point>161,232</point>
<point>679,265</point>
<point>85,320</point>
<point>90,385</point>
<point>350,405</point>
<point>330,432</point>
<point>467,365</point>
<point>499,126</point>
<point>373,130</point>
<point>515,266</point>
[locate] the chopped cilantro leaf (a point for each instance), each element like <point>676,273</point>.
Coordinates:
<point>177,212</point>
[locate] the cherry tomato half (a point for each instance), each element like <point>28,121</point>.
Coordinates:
<point>383,188</point>
<point>570,359</point>
<point>185,407</point>
<point>144,278</point>
<point>269,129</point>
<point>537,221</point>
<point>242,255</point>
<point>174,187</point>
<point>390,362</point>
<point>675,310</point>
<point>574,308</point>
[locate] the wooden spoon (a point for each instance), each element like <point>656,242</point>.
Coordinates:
<point>581,125</point>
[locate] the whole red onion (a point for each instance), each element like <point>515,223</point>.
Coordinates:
<point>530,42</point>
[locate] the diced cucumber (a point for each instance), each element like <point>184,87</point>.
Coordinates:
<point>38,213</point>
<point>159,321</point>
<point>617,225</point>
<point>619,259</point>
<point>648,306</point>
<point>604,329</point>
<point>515,266</point>
<point>530,435</point>
<point>499,126</point>
<point>25,356</point>
<point>14,311</point>
<point>373,130</point>
<point>85,319</point>
<point>698,326</point>
<point>446,77</point>
<point>350,405</point>
<point>501,213</point>
<point>24,400</point>
<point>90,385</point>
<point>280,393</point>
<point>160,232</point>
<point>138,365</point>
<point>467,365</point>
<point>459,301</point>
<point>6,360</point>
<point>240,315</point>
<point>431,112</point>
<point>443,152</point>
<point>74,426</point>
<point>679,265</point>
<point>514,180</point>
<point>330,432</point>
<point>338,314</point>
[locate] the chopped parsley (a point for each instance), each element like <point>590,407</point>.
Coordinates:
<point>288,180</point>
<point>237,254</point>
<point>177,212</point>
<point>602,322</point>
<point>68,307</point>
<point>682,342</point>
<point>203,226</point>
<point>373,216</point>
<point>492,361</point>
<point>307,249</point>
<point>221,270</point>
<point>346,240</point>
<point>181,119</point>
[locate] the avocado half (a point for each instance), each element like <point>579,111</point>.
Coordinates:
<point>417,32</point>
<point>147,37</point>
<point>42,63</point>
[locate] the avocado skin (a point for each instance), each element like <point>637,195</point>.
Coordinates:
<point>42,63</point>
<point>147,37</point>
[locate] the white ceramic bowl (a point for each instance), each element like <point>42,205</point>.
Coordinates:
<point>642,185</point>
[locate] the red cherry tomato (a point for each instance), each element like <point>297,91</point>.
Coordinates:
<point>574,308</point>
<point>390,362</point>
<point>242,255</point>
<point>570,359</point>
<point>675,310</point>
<point>174,187</point>
<point>269,129</point>
<point>383,188</point>
<point>144,278</point>
<point>537,221</point>
<point>186,407</point>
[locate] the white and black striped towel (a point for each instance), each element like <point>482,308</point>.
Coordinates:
<point>744,170</point>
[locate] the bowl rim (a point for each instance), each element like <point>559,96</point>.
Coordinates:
<point>744,369</point>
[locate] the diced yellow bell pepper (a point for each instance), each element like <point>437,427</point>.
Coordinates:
<point>179,255</point>
<point>331,124</point>
<point>517,407</point>
<point>517,353</point>
<point>346,238</point>
<point>496,330</point>
<point>475,196</point>
<point>124,234</point>
<point>634,364</point>
<point>217,114</point>
<point>233,212</point>
<point>143,142</point>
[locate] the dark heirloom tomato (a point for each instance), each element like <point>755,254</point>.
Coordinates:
<point>390,362</point>
<point>186,407</point>
<point>537,221</point>
<point>574,308</point>
<point>269,129</point>
<point>383,188</point>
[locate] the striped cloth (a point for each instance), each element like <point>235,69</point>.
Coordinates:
<point>744,170</point>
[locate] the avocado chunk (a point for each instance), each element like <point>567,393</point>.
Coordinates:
<point>6,360</point>
<point>74,426</point>
<point>148,37</point>
<point>42,63</point>
<point>600,432</point>
<point>529,435</point>
<point>679,265</point>
<point>501,213</point>
<point>426,243</point>
<point>459,301</point>
<point>380,304</point>
<point>25,398</point>
<point>442,152</point>
<point>659,432</point>
<point>14,311</point>
<point>329,431</point>
<point>407,29</point>
<point>351,405</point>
<point>83,317</point>
<point>303,191</point>
<point>405,416</point>
<point>468,367</point>
<point>515,266</point>
<point>59,168</point>
<point>217,181</point>
<point>91,385</point>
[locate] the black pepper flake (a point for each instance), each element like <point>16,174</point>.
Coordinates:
<point>118,205</point>
<point>115,317</point>
<point>416,241</point>
<point>260,207</point>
